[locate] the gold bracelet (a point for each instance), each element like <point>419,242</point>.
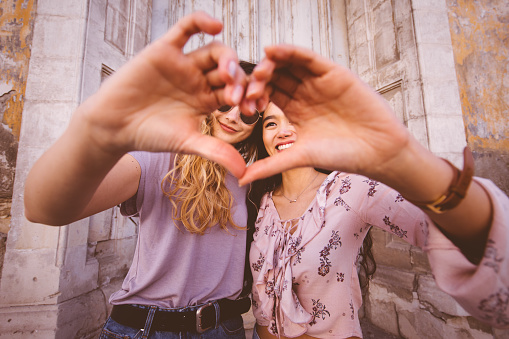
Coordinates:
<point>457,189</point>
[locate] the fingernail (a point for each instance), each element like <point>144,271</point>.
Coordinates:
<point>252,105</point>
<point>237,94</point>
<point>232,68</point>
<point>250,92</point>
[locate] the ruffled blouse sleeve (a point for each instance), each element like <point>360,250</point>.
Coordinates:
<point>482,290</point>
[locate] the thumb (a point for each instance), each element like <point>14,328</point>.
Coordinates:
<point>288,159</point>
<point>221,152</point>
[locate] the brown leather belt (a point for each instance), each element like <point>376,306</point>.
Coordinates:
<point>199,320</point>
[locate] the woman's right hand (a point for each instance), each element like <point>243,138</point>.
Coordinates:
<point>157,100</point>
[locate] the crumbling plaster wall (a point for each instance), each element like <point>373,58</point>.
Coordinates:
<point>16,26</point>
<point>403,49</point>
<point>480,40</point>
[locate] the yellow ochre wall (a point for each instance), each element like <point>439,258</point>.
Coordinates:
<point>480,40</point>
<point>16,24</point>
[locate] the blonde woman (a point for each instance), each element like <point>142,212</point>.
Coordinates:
<point>188,269</point>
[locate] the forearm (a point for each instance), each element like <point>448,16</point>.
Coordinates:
<point>62,182</point>
<point>421,176</point>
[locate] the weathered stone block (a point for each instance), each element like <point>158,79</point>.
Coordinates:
<point>429,293</point>
<point>51,31</point>
<point>81,316</point>
<point>447,133</point>
<point>117,28</point>
<point>32,236</point>
<point>418,128</point>
<point>354,9</point>
<point>358,29</point>
<point>115,257</point>
<point>395,281</point>
<point>36,321</point>
<point>389,252</point>
<point>383,315</point>
<point>429,4</point>
<point>78,275</point>
<point>68,8</point>
<point>432,27</point>
<point>100,226</point>
<point>124,227</point>
<point>385,47</point>
<point>419,260</point>
<point>29,276</point>
<point>415,324</point>
<point>362,59</point>
<point>56,80</point>
<point>45,122</point>
<point>437,62</point>
<point>442,97</point>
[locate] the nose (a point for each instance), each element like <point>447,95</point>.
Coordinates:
<point>233,115</point>
<point>286,129</point>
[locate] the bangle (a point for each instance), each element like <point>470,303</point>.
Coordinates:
<point>457,189</point>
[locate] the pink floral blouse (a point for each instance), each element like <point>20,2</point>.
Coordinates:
<point>305,280</point>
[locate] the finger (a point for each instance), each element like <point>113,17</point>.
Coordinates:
<point>260,77</point>
<point>189,25</point>
<point>221,152</point>
<point>284,81</point>
<point>228,73</point>
<point>214,79</point>
<point>291,55</point>
<point>214,55</point>
<point>258,88</point>
<point>291,158</point>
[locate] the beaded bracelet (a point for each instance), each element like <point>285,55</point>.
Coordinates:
<point>457,189</point>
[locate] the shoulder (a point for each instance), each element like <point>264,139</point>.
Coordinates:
<point>153,163</point>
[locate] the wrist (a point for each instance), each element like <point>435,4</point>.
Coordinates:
<point>417,174</point>
<point>100,133</point>
<point>457,189</point>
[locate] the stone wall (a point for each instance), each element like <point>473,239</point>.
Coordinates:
<point>480,40</point>
<point>403,49</point>
<point>441,64</point>
<point>16,25</point>
<point>56,281</point>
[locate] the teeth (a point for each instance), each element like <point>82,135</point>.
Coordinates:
<point>285,146</point>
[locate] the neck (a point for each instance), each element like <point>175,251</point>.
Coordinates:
<point>296,180</point>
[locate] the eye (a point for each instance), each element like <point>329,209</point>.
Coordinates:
<point>225,108</point>
<point>269,124</point>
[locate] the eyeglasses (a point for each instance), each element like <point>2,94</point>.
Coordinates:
<point>248,120</point>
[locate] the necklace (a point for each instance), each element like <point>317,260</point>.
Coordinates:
<point>295,200</point>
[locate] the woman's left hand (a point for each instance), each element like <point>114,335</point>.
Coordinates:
<point>342,124</point>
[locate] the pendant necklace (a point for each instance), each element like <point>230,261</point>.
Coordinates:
<point>295,200</point>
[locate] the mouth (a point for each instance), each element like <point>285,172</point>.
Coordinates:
<point>227,128</point>
<point>282,147</point>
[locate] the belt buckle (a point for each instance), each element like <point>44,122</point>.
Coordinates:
<point>199,315</point>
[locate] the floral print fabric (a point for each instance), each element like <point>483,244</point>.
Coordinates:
<point>304,270</point>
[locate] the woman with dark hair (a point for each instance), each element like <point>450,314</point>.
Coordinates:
<point>310,226</point>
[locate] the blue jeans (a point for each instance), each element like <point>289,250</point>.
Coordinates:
<point>255,334</point>
<point>232,328</point>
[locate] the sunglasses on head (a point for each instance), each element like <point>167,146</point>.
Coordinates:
<point>248,120</point>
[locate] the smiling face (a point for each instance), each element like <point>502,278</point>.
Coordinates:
<point>278,133</point>
<point>229,127</point>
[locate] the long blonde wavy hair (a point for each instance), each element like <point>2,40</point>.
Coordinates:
<point>197,188</point>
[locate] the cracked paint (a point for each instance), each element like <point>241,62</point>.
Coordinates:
<point>16,25</point>
<point>480,36</point>
<point>16,19</point>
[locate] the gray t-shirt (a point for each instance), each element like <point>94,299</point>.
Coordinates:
<point>174,268</point>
